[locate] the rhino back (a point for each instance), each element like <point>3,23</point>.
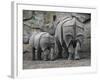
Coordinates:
<point>72,29</point>
<point>61,30</point>
<point>46,41</point>
<point>37,39</point>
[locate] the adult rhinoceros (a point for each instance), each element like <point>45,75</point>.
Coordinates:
<point>69,37</point>
<point>42,46</point>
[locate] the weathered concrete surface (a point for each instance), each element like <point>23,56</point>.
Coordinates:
<point>56,64</point>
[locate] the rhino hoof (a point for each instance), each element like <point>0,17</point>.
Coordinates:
<point>52,59</point>
<point>70,58</point>
<point>45,59</point>
<point>77,58</point>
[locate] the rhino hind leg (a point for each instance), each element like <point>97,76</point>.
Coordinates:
<point>45,54</point>
<point>52,55</point>
<point>77,48</point>
<point>65,53</point>
<point>71,52</point>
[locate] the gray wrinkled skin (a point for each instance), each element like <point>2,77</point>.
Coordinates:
<point>69,29</point>
<point>41,43</point>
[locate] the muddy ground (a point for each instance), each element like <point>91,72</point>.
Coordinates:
<point>29,64</point>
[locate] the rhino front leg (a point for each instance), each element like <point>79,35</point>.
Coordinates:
<point>77,48</point>
<point>58,49</point>
<point>52,55</point>
<point>37,54</point>
<point>33,53</point>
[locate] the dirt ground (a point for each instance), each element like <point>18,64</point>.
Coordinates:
<point>56,63</point>
<point>29,64</point>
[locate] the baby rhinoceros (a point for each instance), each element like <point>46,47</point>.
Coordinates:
<point>42,44</point>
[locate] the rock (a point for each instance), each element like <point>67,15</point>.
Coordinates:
<point>27,14</point>
<point>26,34</point>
